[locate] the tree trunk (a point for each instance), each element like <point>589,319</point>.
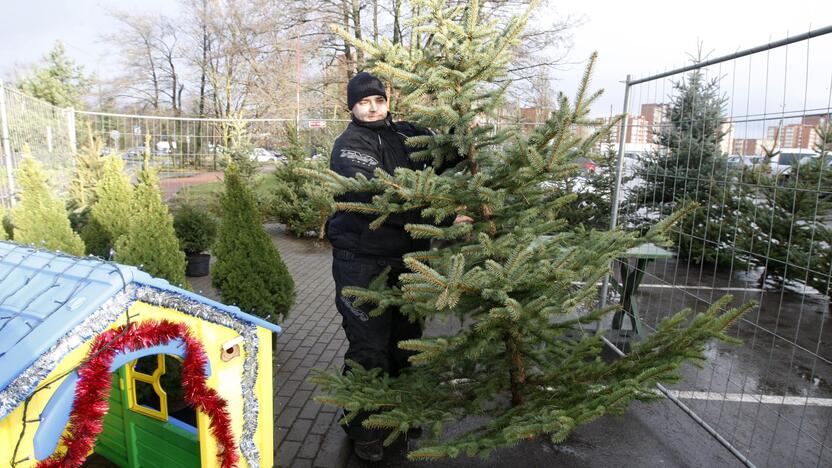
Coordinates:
<point>154,78</point>
<point>174,85</point>
<point>414,36</point>
<point>517,372</point>
<point>356,23</point>
<point>350,65</point>
<point>204,64</point>
<point>375,21</point>
<point>397,28</point>
<point>179,99</point>
<point>761,283</point>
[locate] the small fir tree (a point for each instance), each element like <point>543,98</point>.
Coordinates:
<point>239,149</point>
<point>86,173</point>
<point>518,273</point>
<point>195,228</point>
<point>594,189</point>
<point>249,272</point>
<point>40,217</point>
<point>150,241</point>
<point>302,205</point>
<point>3,235</point>
<point>110,215</point>
<point>6,226</point>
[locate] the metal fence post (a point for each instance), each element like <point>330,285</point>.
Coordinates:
<point>619,166</point>
<point>70,129</point>
<point>7,149</point>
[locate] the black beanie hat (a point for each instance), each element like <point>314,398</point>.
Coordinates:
<point>363,85</point>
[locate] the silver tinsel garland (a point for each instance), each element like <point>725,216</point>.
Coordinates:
<point>25,383</point>
<point>23,386</point>
<point>251,406</point>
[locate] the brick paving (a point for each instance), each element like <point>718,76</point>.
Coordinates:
<point>306,433</point>
<point>171,185</point>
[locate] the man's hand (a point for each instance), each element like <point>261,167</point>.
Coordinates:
<point>461,219</point>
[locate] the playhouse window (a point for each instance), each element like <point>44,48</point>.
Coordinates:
<point>155,389</point>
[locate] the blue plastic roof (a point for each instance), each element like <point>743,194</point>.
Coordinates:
<point>43,295</point>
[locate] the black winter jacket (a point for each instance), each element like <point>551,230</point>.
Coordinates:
<point>360,150</point>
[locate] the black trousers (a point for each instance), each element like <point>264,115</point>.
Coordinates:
<point>372,340</point>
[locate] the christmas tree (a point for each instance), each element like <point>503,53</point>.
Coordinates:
<point>518,274</point>
<point>690,167</point>
<point>594,188</point>
<point>40,217</point>
<point>2,221</point>
<point>240,149</point>
<point>110,215</point>
<point>6,226</point>
<point>302,205</point>
<point>788,237</point>
<point>150,241</point>
<point>249,272</point>
<point>86,173</point>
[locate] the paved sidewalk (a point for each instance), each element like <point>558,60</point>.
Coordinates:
<point>306,433</point>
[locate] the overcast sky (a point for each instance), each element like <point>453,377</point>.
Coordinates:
<point>639,37</point>
<point>646,37</point>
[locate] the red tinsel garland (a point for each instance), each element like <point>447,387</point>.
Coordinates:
<point>93,390</point>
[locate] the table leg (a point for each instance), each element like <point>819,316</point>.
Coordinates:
<point>631,279</point>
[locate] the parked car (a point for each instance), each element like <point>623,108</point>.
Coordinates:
<point>280,157</point>
<point>588,166</point>
<point>314,154</point>
<point>781,164</point>
<point>163,147</point>
<point>736,161</point>
<point>262,155</point>
<point>136,152</point>
<point>212,148</point>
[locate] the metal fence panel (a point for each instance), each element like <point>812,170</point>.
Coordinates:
<point>38,128</point>
<point>756,157</point>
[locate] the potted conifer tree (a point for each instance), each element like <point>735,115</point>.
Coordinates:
<point>197,231</point>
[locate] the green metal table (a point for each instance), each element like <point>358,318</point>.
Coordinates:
<point>631,277</point>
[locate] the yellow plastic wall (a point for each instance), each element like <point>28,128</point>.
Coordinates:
<point>225,378</point>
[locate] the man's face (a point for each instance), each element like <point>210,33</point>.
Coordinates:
<point>370,109</point>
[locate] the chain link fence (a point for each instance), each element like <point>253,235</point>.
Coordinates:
<point>200,144</point>
<point>34,127</point>
<point>179,147</point>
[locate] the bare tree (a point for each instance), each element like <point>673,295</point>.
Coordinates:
<point>168,48</point>
<point>259,57</point>
<point>140,82</point>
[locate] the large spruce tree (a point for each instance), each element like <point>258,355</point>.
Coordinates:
<point>40,217</point>
<point>688,167</point>
<point>519,274</point>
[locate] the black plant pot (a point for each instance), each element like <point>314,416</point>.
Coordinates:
<point>198,265</point>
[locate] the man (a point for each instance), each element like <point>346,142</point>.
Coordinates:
<point>372,140</point>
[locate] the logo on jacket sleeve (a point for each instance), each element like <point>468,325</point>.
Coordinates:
<point>359,158</point>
